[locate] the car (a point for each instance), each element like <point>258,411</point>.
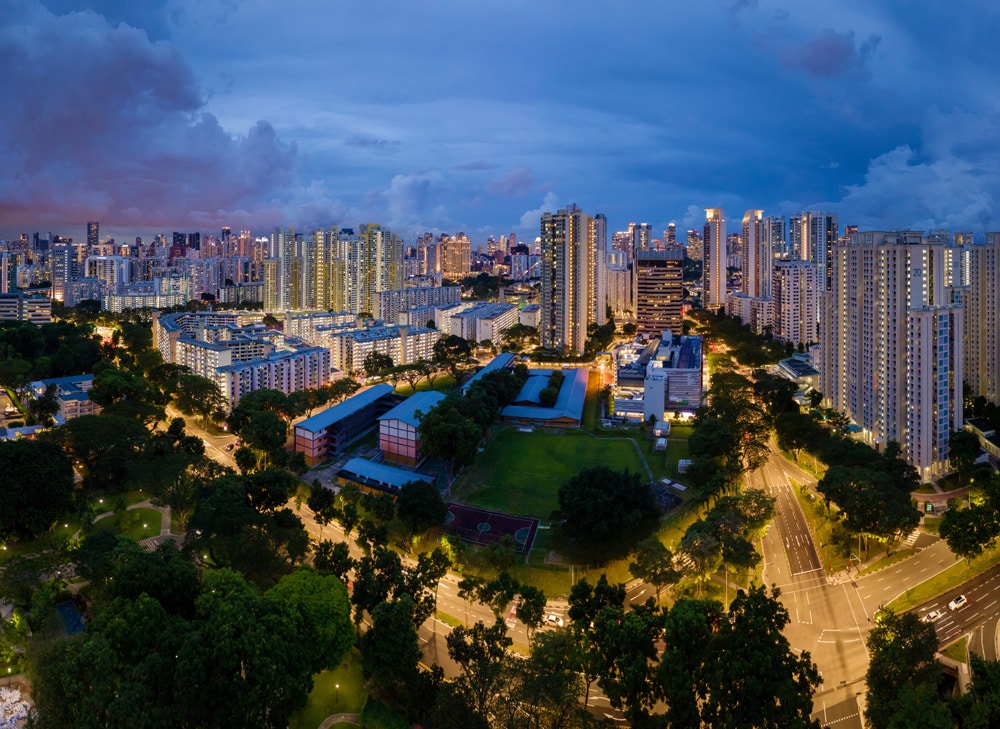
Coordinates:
<point>230,446</point>
<point>958,603</point>
<point>933,616</point>
<point>553,620</point>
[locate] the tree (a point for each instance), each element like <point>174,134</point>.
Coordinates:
<point>601,511</point>
<point>333,558</point>
<point>546,685</point>
<point>654,563</point>
<point>420,507</point>
<point>376,362</point>
<point>625,643</point>
<point>979,706</point>
<point>452,352</point>
<point>970,531</point>
<point>689,629</point>
<point>447,433</point>
<point>201,396</point>
<point>963,450</point>
<point>390,649</point>
<point>321,614</point>
<point>531,607</point>
<point>36,487</point>
<point>479,651</point>
<point>323,503</point>
<point>105,445</point>
<point>901,670</point>
<point>752,677</point>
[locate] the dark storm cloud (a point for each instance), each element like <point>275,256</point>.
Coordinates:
<point>100,122</point>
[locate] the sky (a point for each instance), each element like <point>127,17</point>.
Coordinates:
<point>452,115</point>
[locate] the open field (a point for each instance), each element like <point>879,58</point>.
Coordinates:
<point>520,473</point>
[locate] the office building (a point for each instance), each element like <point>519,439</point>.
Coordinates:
<point>659,290</point>
<point>93,233</point>
<point>892,345</point>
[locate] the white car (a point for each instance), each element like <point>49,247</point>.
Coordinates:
<point>958,603</point>
<point>553,620</point>
<point>933,616</point>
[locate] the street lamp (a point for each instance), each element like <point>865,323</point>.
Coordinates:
<point>338,694</point>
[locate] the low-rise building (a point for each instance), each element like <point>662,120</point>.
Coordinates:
<point>72,394</point>
<point>399,438</point>
<point>326,434</point>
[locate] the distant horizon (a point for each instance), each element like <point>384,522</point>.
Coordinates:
<point>479,117</point>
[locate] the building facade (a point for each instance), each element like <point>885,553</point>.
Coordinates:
<point>659,290</point>
<point>892,345</point>
<point>714,259</point>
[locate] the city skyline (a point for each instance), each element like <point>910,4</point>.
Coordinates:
<point>189,116</point>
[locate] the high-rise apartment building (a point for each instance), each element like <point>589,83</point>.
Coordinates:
<point>811,236</point>
<point>775,233</point>
<point>695,246</point>
<point>570,299</point>
<point>714,259</point>
<point>758,261</point>
<point>892,344</point>
<point>456,256</point>
<point>374,264</point>
<point>796,291</point>
<point>659,291</point>
<point>982,318</point>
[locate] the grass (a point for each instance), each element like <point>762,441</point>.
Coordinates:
<point>137,523</point>
<point>323,699</point>
<point>520,473</point>
<point>377,715</point>
<point>592,403</point>
<point>445,383</point>
<point>889,561</point>
<point>947,580</point>
<point>932,524</point>
<point>958,651</point>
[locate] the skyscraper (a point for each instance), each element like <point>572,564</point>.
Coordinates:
<point>796,291</point>
<point>982,319</point>
<point>812,234</point>
<point>714,259</point>
<point>568,284</point>
<point>659,291</point>
<point>456,256</point>
<point>892,344</point>
<point>757,258</point>
<point>93,233</point>
<point>374,264</point>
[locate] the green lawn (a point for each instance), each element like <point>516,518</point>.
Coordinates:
<point>520,473</point>
<point>137,523</point>
<point>444,383</point>
<point>958,651</point>
<point>326,698</point>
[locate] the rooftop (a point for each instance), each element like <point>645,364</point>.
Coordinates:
<point>348,407</point>
<point>406,411</point>
<point>379,475</point>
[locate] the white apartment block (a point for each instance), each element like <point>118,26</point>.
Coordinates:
<point>796,287</point>
<point>391,303</point>
<point>405,344</point>
<point>982,319</point>
<point>892,345</point>
<point>285,371</point>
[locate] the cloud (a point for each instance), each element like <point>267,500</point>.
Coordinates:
<point>531,218</point>
<point>950,192</point>
<point>109,125</point>
<point>370,142</point>
<point>830,54</point>
<point>515,183</point>
<point>694,218</point>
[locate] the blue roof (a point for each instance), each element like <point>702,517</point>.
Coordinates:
<point>406,411</point>
<point>379,474</point>
<point>351,405</point>
<point>569,403</point>
<point>499,362</point>
<point>537,381</point>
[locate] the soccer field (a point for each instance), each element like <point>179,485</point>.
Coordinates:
<point>520,473</point>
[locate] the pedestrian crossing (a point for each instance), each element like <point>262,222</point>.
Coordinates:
<point>912,539</point>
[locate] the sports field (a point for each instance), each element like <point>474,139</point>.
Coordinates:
<point>520,473</point>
